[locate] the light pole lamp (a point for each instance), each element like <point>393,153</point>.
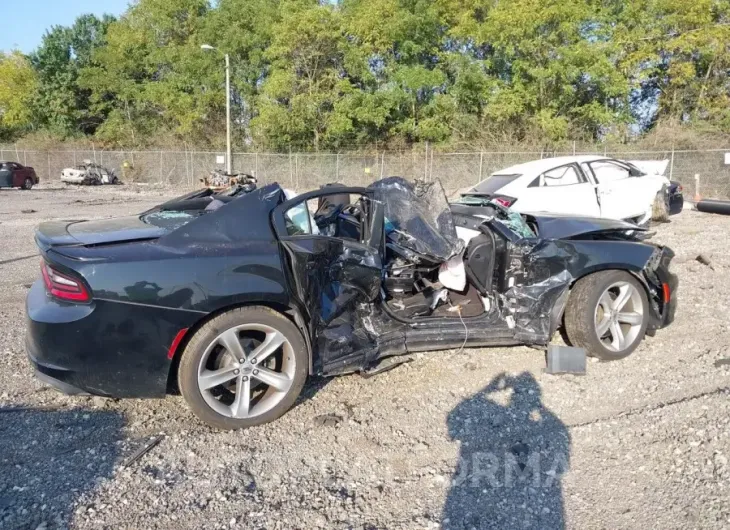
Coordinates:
<point>229,161</point>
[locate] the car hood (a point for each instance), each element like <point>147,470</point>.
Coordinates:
<point>551,226</point>
<point>96,232</point>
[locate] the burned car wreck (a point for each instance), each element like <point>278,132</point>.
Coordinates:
<point>89,174</point>
<point>237,303</point>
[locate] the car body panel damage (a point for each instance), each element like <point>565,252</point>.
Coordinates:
<point>358,269</point>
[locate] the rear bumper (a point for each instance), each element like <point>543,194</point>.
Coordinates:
<point>103,348</point>
<point>676,203</point>
<point>58,384</point>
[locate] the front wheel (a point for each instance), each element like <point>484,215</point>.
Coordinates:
<point>243,368</point>
<point>607,314</point>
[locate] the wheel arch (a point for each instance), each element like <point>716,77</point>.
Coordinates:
<point>558,316</point>
<point>290,311</point>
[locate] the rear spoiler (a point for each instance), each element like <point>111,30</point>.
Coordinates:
<point>651,167</point>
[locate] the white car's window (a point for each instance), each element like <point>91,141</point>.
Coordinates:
<point>609,172</point>
<point>494,183</point>
<point>561,176</point>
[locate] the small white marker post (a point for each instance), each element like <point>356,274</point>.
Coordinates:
<point>698,197</point>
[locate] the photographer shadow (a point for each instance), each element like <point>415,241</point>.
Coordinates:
<point>50,459</point>
<point>513,453</point>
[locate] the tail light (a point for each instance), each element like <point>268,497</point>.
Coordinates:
<point>505,201</point>
<point>63,286</point>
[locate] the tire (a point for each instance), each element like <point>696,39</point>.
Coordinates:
<point>206,357</point>
<point>660,207</point>
<point>585,312</point>
<point>27,183</point>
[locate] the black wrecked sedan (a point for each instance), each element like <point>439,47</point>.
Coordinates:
<point>235,300</point>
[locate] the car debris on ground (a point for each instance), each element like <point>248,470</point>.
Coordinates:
<point>701,258</point>
<point>219,180</point>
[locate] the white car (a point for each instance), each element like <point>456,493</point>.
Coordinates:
<point>89,173</point>
<point>590,186</point>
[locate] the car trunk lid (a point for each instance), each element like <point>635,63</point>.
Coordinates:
<point>96,232</point>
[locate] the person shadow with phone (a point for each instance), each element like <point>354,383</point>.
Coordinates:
<point>513,453</point>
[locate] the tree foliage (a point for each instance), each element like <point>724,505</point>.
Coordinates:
<point>310,74</point>
<point>18,83</point>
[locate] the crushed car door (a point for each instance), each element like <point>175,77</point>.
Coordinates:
<point>621,195</point>
<point>335,273</point>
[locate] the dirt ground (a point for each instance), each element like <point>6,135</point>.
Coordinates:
<point>474,439</point>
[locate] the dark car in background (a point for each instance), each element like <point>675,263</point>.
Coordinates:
<point>675,198</point>
<point>238,299</point>
<point>15,175</point>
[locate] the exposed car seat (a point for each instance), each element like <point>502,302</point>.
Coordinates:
<point>479,262</point>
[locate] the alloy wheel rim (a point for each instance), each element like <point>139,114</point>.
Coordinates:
<point>618,316</point>
<point>246,371</point>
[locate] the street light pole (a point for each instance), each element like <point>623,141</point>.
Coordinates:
<point>229,154</point>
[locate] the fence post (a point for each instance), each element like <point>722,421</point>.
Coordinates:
<point>74,158</point>
<point>256,170</point>
<point>697,196</point>
<point>291,170</point>
<point>25,157</point>
<point>337,167</point>
<point>425,164</point>
<point>101,157</point>
<point>160,167</point>
<point>481,162</point>
<point>573,147</point>
<point>48,157</point>
<point>296,172</point>
<point>430,170</point>
<point>671,164</point>
<point>382,163</point>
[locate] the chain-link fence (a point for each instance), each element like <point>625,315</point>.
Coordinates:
<point>304,171</point>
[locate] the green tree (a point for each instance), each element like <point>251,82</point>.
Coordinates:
<point>18,85</point>
<point>62,105</point>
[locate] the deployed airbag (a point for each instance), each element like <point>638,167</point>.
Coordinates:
<point>419,216</point>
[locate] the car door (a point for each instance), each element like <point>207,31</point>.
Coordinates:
<point>563,190</point>
<point>17,172</point>
<point>618,194</point>
<point>333,277</point>
<point>6,176</point>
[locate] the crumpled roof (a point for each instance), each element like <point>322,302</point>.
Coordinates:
<point>419,217</point>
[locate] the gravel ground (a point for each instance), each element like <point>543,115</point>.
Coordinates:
<point>474,439</point>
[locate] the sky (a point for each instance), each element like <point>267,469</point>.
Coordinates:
<point>26,21</point>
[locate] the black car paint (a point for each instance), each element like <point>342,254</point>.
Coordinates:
<point>676,199</point>
<point>148,291</point>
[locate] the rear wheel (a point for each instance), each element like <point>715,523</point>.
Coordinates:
<point>27,183</point>
<point>243,368</point>
<point>607,314</point>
